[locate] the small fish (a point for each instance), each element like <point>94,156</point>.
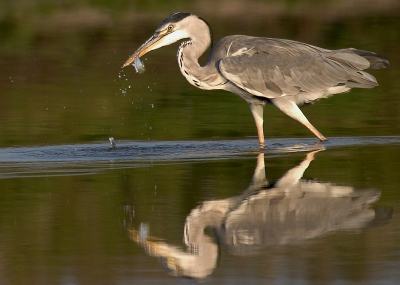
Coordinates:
<point>139,66</point>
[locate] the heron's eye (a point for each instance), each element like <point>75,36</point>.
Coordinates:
<point>170,27</point>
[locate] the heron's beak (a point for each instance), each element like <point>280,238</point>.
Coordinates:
<point>154,42</point>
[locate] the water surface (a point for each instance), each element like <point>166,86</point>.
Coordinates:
<point>69,210</point>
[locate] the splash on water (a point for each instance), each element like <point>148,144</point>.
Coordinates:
<point>113,145</point>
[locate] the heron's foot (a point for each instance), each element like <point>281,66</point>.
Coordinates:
<point>323,139</point>
<point>318,146</point>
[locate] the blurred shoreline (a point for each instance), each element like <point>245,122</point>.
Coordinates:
<point>81,15</point>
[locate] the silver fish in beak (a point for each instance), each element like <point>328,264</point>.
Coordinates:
<point>149,45</point>
<point>139,66</point>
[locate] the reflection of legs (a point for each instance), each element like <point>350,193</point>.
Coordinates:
<point>259,172</point>
<point>292,110</point>
<point>293,175</point>
<point>310,155</point>
<point>257,111</point>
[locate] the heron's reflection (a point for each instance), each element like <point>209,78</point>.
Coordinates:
<point>286,212</point>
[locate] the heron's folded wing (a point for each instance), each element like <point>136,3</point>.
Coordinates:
<point>272,69</point>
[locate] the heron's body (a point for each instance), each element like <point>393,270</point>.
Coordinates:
<point>264,70</point>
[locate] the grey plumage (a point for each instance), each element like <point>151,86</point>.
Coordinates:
<point>283,72</point>
<point>271,68</point>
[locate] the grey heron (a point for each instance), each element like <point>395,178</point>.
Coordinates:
<point>262,70</point>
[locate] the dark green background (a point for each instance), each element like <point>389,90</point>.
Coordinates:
<point>61,84</point>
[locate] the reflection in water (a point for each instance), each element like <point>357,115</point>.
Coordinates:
<point>287,212</point>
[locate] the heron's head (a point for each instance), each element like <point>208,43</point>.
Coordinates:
<point>176,27</point>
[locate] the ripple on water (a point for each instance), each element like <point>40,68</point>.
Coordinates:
<point>90,158</point>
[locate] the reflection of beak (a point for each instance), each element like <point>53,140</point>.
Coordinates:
<point>152,43</point>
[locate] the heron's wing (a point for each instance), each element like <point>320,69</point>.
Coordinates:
<point>273,67</point>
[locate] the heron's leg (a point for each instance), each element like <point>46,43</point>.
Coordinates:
<point>257,111</point>
<point>292,110</point>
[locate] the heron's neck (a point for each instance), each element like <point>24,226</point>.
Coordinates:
<point>188,57</point>
<point>189,64</point>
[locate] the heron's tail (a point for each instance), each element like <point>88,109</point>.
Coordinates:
<point>354,61</point>
<point>376,61</point>
<point>359,59</point>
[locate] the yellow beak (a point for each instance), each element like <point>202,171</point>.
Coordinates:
<point>152,43</point>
